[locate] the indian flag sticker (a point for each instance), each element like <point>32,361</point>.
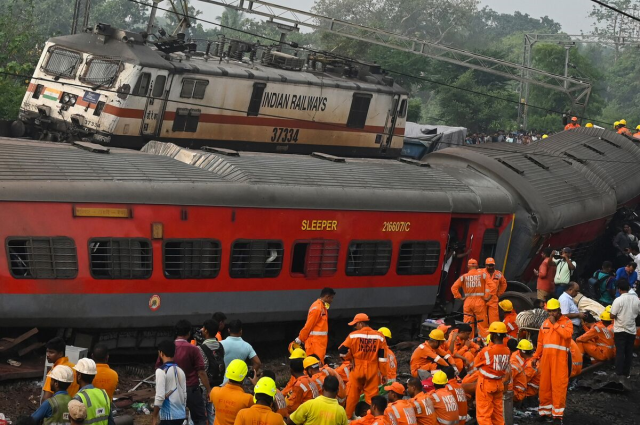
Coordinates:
<point>51,94</point>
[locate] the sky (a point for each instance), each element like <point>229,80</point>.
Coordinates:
<point>571,14</point>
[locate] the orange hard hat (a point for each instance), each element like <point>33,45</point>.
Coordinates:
<point>360,317</point>
<point>574,118</point>
<point>444,328</point>
<point>396,387</point>
<point>490,261</point>
<point>472,262</point>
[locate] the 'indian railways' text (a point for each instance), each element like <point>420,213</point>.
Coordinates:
<point>293,101</point>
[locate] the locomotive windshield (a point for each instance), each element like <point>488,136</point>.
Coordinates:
<point>101,71</point>
<point>62,62</point>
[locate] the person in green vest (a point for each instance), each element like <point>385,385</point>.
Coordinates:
<point>97,401</point>
<point>54,410</point>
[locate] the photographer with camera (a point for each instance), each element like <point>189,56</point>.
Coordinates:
<point>564,269</point>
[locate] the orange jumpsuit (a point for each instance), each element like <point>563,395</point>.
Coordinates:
<point>445,406</point>
<point>533,378</point>
<point>454,361</point>
<point>518,377</point>
<point>476,289</point>
<point>637,135</point>
<point>393,365</point>
<point>463,407</point>
<point>381,420</point>
<point>624,130</point>
<point>287,389</point>
<point>510,321</point>
<point>344,370</point>
<point>571,126</point>
<point>497,285</point>
<point>281,404</point>
<point>425,413</point>
<point>315,333</point>
<point>576,359</point>
<point>554,342</point>
<point>367,419</point>
<point>466,348</point>
<point>426,358</point>
<point>598,342</point>
<point>367,347</point>
<point>303,390</point>
<point>493,365</point>
<point>401,413</point>
<point>327,371</point>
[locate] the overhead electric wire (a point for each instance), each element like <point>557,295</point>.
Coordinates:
<point>622,12</point>
<point>295,45</point>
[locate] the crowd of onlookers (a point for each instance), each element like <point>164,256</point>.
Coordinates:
<point>520,138</point>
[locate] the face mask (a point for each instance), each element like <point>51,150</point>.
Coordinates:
<point>327,305</point>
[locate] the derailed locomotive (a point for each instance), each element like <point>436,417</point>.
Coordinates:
<point>118,88</point>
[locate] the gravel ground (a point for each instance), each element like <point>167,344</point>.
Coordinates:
<point>584,407</point>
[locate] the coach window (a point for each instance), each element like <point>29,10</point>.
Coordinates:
<point>489,244</point>
<point>191,258</point>
<point>142,85</point>
<point>42,257</point>
<point>193,88</point>
<point>186,120</point>
<point>256,258</point>
<point>418,258</point>
<point>359,110</point>
<point>403,108</point>
<point>158,86</point>
<point>315,258</point>
<point>120,258</point>
<point>368,258</point>
<point>256,99</point>
<point>62,62</point>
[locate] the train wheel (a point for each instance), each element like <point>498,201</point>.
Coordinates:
<point>521,301</point>
<point>18,129</point>
<point>515,286</point>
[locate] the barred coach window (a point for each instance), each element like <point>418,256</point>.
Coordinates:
<point>418,257</point>
<point>368,258</point>
<point>120,258</point>
<point>42,257</point>
<point>256,258</point>
<point>315,258</point>
<point>191,258</point>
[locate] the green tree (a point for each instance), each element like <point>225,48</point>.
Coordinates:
<point>414,110</point>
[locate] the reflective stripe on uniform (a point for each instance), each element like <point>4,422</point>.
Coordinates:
<point>487,358</point>
<point>476,294</point>
<point>520,388</point>
<point>303,388</point>
<point>599,344</point>
<point>435,397</point>
<point>556,346</point>
<point>511,326</point>
<point>382,359</point>
<point>533,385</point>
<point>437,358</point>
<point>489,375</point>
<point>395,411</point>
<point>365,336</point>
<point>445,422</point>
<point>318,333</point>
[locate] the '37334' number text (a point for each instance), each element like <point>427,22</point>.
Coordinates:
<point>286,135</point>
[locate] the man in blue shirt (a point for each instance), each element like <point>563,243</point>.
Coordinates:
<point>569,308</point>
<point>54,409</point>
<point>237,348</point>
<point>628,272</point>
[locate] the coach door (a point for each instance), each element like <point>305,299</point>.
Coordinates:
<point>390,124</point>
<point>152,119</point>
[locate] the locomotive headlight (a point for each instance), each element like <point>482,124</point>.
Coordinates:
<point>65,98</point>
<point>72,99</point>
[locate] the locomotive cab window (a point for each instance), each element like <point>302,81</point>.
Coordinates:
<point>42,257</point>
<point>256,99</point>
<point>101,72</point>
<point>191,258</point>
<point>359,110</point>
<point>368,258</point>
<point>315,258</point>
<point>256,258</point>
<point>120,258</point>
<point>193,88</point>
<point>418,258</point>
<point>62,62</point>
<point>158,86</point>
<point>489,244</point>
<point>142,85</point>
<point>403,109</point>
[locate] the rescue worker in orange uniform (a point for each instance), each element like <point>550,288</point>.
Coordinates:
<point>573,124</point>
<point>476,295</point>
<point>279,400</point>
<point>637,133</point>
<point>492,366</point>
<point>576,359</point>
<point>344,370</point>
<point>552,354</point>
<point>444,403</point>
<point>508,317</point>
<point>598,341</point>
<point>315,333</point>
<point>378,406</point>
<point>457,391</point>
<point>422,405</point>
<point>622,128</point>
<point>296,353</point>
<point>320,374</point>
<point>368,349</point>
<point>533,377</point>
<point>399,411</point>
<point>518,375</point>
<point>497,285</point>
<point>391,357</point>
<point>303,389</point>
<point>429,356</point>
<point>464,347</point>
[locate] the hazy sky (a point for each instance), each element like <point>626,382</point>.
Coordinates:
<point>571,14</point>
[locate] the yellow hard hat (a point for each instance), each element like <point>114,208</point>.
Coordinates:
<point>525,345</point>
<point>544,136</point>
<point>638,127</point>
<point>293,345</point>
<point>498,328</point>
<point>553,304</point>
<point>310,361</point>
<point>266,386</point>
<point>506,305</point>
<point>440,378</point>
<point>589,125</point>
<point>606,316</point>
<point>237,370</point>
<point>608,308</point>
<point>436,334</point>
<point>298,353</point>
<point>622,122</point>
<point>385,331</point>
<point>615,124</point>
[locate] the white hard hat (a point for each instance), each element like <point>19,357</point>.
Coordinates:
<point>62,374</point>
<point>86,367</point>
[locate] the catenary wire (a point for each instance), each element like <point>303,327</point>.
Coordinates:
<point>622,12</point>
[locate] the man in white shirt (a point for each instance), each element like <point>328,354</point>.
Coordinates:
<point>569,308</point>
<point>564,269</point>
<point>624,311</point>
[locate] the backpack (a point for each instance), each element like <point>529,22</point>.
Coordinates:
<point>595,285</point>
<point>215,371</point>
